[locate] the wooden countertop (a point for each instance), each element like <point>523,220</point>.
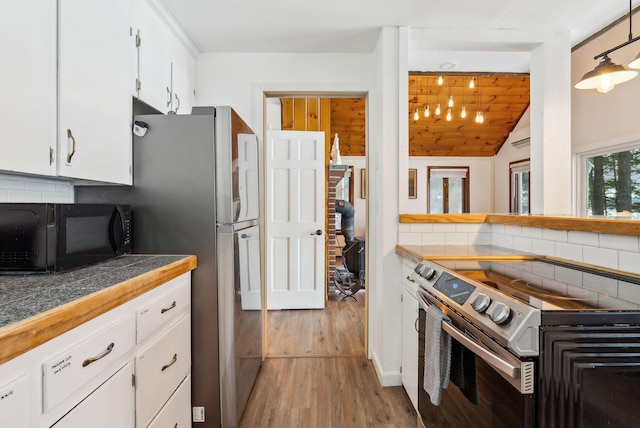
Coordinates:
<point>417,253</point>
<point>101,287</point>
<point>616,226</point>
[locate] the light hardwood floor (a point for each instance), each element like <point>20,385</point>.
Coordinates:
<point>317,375</point>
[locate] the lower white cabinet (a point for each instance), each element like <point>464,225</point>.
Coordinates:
<point>176,413</point>
<point>410,308</point>
<point>160,368</point>
<point>109,406</point>
<point>14,402</point>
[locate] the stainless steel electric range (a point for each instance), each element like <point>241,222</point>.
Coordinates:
<point>536,343</point>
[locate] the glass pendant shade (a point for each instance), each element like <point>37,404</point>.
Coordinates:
<point>440,80</point>
<point>635,63</point>
<point>463,113</point>
<point>427,113</point>
<point>450,101</point>
<point>416,115</point>
<point>605,76</point>
<point>472,82</point>
<point>449,114</point>
<point>438,109</point>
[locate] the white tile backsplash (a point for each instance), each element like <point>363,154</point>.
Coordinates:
<point>16,188</point>
<point>629,262</point>
<point>619,242</point>
<point>600,257</point>
<point>456,238</point>
<point>569,251</point>
<point>583,238</point>
<point>555,235</point>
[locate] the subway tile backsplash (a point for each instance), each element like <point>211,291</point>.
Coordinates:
<point>611,251</point>
<point>15,188</point>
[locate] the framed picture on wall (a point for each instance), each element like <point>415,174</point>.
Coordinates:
<point>363,183</point>
<point>413,183</point>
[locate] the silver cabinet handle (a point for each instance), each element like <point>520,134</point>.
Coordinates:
<point>106,352</point>
<point>173,305</point>
<point>178,105</point>
<point>73,145</point>
<point>168,97</point>
<point>173,361</point>
<point>416,325</point>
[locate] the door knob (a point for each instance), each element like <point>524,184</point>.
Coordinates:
<point>318,232</point>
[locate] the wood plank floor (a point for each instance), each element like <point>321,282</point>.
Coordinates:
<point>316,374</point>
<point>337,330</point>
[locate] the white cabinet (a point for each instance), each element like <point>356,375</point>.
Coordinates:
<point>110,405</point>
<point>95,80</point>
<point>165,67</point>
<point>160,368</point>
<point>14,402</point>
<point>77,365</point>
<point>28,76</point>
<point>410,308</point>
<point>176,413</point>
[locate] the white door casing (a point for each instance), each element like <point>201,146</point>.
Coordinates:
<point>295,217</point>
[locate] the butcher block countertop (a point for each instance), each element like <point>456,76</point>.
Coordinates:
<point>38,308</point>
<point>613,225</point>
<point>417,253</point>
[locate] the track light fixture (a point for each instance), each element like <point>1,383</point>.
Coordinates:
<point>607,74</point>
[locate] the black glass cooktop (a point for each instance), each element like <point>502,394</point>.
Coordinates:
<point>556,286</point>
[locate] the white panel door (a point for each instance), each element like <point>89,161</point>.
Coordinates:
<point>295,220</point>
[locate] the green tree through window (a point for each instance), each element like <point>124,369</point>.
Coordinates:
<point>613,182</point>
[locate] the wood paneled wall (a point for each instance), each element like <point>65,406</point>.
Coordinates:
<point>344,116</point>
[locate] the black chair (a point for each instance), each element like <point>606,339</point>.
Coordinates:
<point>350,279</point>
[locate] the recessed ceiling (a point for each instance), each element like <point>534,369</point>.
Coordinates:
<point>354,25</point>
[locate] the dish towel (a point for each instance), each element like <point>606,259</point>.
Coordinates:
<point>437,354</point>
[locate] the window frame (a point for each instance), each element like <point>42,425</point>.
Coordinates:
<point>580,166</point>
<point>513,205</point>
<point>465,188</point>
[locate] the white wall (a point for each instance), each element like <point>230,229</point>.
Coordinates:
<point>506,155</point>
<point>480,180</point>
<point>597,119</point>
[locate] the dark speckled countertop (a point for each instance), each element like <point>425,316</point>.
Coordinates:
<point>36,308</point>
<point>24,296</point>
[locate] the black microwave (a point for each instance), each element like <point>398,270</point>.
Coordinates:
<point>42,237</point>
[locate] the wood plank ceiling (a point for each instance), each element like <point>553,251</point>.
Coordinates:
<point>503,100</point>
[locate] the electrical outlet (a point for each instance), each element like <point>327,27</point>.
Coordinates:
<point>197,414</point>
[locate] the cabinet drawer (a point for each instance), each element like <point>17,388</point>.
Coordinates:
<point>160,368</point>
<point>165,308</point>
<point>14,403</point>
<point>85,361</point>
<point>177,412</point>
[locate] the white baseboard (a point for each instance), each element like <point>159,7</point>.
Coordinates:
<point>389,378</point>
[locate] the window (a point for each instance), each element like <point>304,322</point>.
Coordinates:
<point>519,181</point>
<point>448,189</point>
<point>613,183</point>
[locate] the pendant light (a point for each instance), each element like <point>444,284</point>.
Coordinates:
<point>463,112</point>
<point>427,113</point>
<point>607,74</point>
<point>479,113</point>
<point>440,81</point>
<point>416,114</point>
<point>449,114</point>
<point>472,82</point>
<point>450,103</point>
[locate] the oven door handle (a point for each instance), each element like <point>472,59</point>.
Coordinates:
<point>491,359</point>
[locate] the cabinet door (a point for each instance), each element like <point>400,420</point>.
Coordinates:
<point>153,67</point>
<point>96,79</point>
<point>183,79</point>
<point>28,76</point>
<point>111,405</point>
<point>177,412</point>
<point>410,345</point>
<point>14,402</point>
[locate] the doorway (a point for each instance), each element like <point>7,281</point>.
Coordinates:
<point>340,328</point>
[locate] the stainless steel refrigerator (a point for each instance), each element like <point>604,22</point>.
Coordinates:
<point>196,191</point>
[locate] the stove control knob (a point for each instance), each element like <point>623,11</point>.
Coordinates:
<point>428,273</point>
<point>499,313</point>
<point>481,303</point>
<point>419,268</point>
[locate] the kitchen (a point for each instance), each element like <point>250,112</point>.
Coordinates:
<point>378,73</point>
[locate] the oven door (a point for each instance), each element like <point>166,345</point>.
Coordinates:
<point>488,387</point>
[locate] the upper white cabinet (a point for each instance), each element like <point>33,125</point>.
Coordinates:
<point>95,80</point>
<point>165,67</point>
<point>28,76</point>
